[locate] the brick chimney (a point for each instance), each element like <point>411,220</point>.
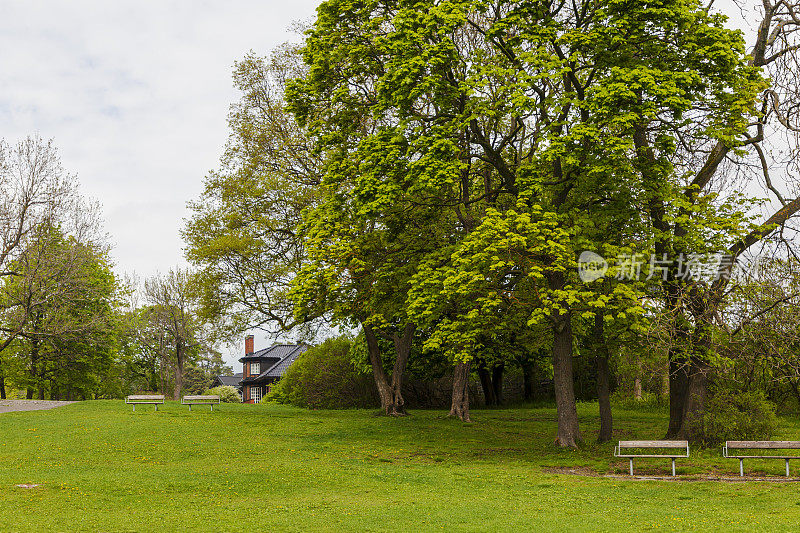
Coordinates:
<point>248,345</point>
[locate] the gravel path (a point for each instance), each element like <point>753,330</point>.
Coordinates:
<point>7,406</point>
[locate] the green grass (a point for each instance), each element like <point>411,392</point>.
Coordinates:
<point>102,467</point>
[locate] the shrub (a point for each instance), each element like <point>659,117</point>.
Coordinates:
<point>649,401</point>
<point>226,393</point>
<point>734,415</point>
<point>325,377</point>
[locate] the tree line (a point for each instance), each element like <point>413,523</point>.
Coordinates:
<point>69,327</point>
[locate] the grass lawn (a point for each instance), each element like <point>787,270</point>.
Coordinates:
<point>102,467</point>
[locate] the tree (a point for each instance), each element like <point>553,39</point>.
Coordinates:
<point>172,327</point>
<point>516,120</point>
<point>244,235</point>
<point>61,308</point>
<point>36,193</point>
<point>702,219</point>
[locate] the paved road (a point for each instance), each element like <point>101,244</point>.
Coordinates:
<point>6,406</point>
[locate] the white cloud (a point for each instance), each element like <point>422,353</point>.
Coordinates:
<point>136,96</point>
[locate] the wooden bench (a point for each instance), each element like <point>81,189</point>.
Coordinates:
<point>760,445</point>
<point>210,399</point>
<point>155,399</point>
<point>652,445</point>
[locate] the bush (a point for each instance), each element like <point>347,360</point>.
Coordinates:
<point>227,394</point>
<point>325,377</point>
<point>649,401</point>
<point>734,415</point>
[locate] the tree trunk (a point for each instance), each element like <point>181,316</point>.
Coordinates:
<point>697,389</point>
<point>527,379</point>
<point>402,347</point>
<point>33,368</point>
<point>2,388</point>
<point>637,381</point>
<point>486,384</point>
<point>568,431</point>
<point>603,381</point>
<point>390,389</point>
<point>497,383</point>
<point>459,407</point>
<point>678,386</point>
<point>694,404</point>
<point>179,356</point>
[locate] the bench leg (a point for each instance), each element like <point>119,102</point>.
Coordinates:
<point>631,460</point>
<point>156,406</point>
<point>212,407</point>
<point>673,467</point>
<point>134,406</point>
<point>787,467</point>
<point>190,407</point>
<point>741,467</point>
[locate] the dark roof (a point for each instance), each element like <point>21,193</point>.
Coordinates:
<point>276,371</point>
<point>230,381</point>
<point>276,351</point>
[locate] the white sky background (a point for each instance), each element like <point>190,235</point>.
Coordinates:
<point>136,96</point>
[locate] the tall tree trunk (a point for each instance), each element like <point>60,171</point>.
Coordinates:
<point>678,363</point>
<point>527,380</point>
<point>33,368</point>
<point>390,389</point>
<point>2,388</point>
<point>699,370</point>
<point>459,406</point>
<point>694,404</point>
<point>568,432</point>
<point>179,362</point>
<point>637,380</point>
<point>402,347</point>
<point>485,378</point>
<point>678,387</point>
<point>497,383</point>
<point>603,380</point>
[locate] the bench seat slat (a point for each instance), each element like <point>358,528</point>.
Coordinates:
<point>653,444</point>
<point>636,456</point>
<point>763,456</point>
<point>201,398</point>
<point>144,398</point>
<point>763,444</point>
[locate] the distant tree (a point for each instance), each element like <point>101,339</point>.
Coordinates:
<point>61,308</point>
<point>172,327</point>
<point>35,193</point>
<point>244,234</point>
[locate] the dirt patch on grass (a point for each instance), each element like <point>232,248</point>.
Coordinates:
<point>585,471</point>
<point>572,471</point>
<point>8,406</point>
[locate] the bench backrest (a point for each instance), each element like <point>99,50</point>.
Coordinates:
<point>763,444</point>
<point>207,398</point>
<point>653,444</point>
<point>145,397</point>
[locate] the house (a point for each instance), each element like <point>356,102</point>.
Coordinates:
<point>264,367</point>
<point>228,381</point>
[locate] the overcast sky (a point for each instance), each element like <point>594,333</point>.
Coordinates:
<point>136,96</point>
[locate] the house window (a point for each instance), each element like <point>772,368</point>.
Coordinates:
<point>254,368</point>
<point>255,394</point>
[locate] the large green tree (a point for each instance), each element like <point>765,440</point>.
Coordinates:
<point>61,307</point>
<point>518,119</point>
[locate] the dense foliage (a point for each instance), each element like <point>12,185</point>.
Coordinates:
<point>325,377</point>
<point>431,173</point>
